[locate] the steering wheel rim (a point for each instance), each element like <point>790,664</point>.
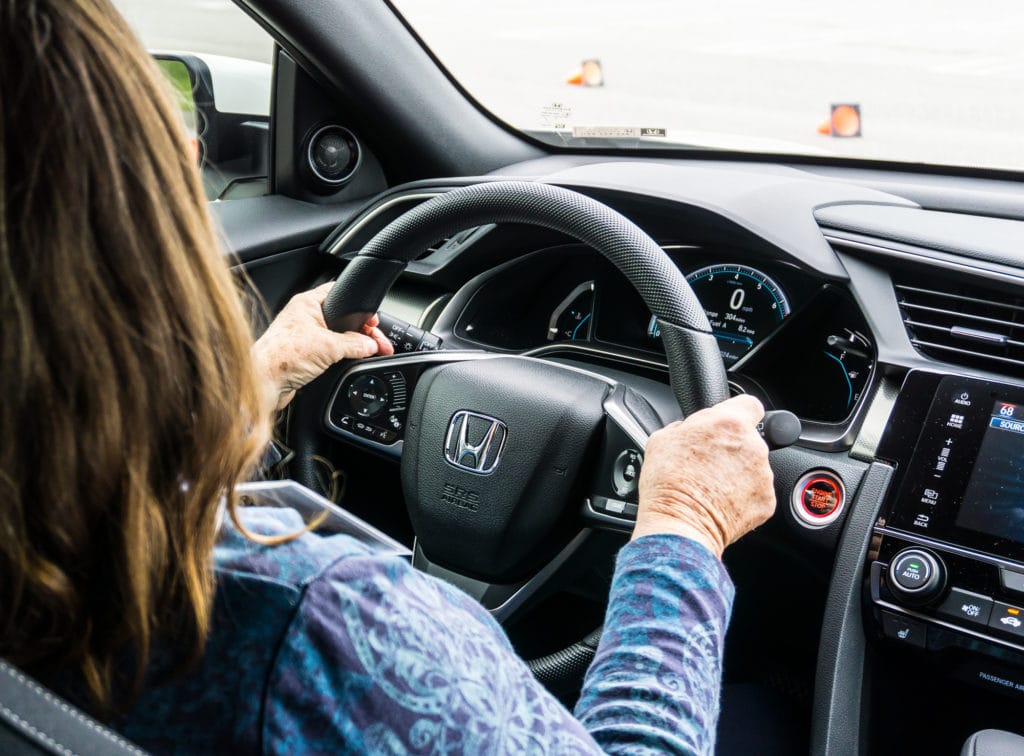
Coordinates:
<point>696,370</point>
<point>695,364</point>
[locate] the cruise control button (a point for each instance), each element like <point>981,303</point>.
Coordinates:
<point>1009,619</point>
<point>967,607</point>
<point>626,472</point>
<point>615,507</point>
<point>904,629</point>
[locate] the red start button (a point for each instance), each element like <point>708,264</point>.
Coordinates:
<point>818,498</point>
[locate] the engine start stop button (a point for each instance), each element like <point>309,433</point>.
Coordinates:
<point>818,498</point>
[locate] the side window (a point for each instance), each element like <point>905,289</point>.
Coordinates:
<point>218,62</point>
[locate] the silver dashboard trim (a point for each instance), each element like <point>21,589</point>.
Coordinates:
<point>982,268</point>
<point>951,548</point>
<point>360,224</point>
<point>505,609</point>
<point>889,606</point>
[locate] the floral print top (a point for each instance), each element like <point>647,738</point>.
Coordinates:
<point>322,646</point>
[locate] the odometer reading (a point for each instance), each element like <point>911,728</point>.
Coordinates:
<point>743,306</point>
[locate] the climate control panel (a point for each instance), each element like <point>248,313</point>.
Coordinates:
<point>921,591</point>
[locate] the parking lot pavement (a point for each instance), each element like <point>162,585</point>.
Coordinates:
<point>937,80</point>
<point>210,26</point>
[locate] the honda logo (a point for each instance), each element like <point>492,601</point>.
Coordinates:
<point>475,442</point>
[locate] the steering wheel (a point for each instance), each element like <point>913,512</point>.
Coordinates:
<point>499,451</point>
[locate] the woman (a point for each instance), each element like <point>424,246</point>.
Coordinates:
<point>133,401</point>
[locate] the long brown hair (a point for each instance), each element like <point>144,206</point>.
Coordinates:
<point>128,401</point>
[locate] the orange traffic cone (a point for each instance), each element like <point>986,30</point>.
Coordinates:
<point>589,74</point>
<point>844,121</point>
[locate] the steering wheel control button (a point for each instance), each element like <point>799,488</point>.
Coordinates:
<point>967,607</point>
<point>818,498</point>
<point>368,395</point>
<point>429,343</point>
<point>916,576</point>
<point>1009,619</point>
<point>614,507</point>
<point>626,472</point>
<point>405,337</point>
<point>346,421</point>
<point>904,629</point>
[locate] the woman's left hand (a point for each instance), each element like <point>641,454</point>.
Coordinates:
<point>298,346</point>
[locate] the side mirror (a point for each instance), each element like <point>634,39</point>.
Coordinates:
<point>225,103</point>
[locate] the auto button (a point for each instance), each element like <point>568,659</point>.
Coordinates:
<point>916,576</point>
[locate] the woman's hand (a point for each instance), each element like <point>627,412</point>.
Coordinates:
<point>298,346</point>
<point>707,477</point>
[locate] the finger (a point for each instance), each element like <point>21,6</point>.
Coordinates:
<point>384,345</point>
<point>744,407</point>
<point>320,292</point>
<point>373,322</point>
<point>352,346</point>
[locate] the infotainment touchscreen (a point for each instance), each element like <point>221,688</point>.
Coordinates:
<point>993,502</point>
<point>959,457</point>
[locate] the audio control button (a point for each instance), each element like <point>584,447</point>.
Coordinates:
<point>368,395</point>
<point>966,607</point>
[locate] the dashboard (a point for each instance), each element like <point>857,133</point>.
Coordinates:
<point>849,305</point>
<point>790,338</point>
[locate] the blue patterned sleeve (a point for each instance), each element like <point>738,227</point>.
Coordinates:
<point>655,682</point>
<point>383,659</point>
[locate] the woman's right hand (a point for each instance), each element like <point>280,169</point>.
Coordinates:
<point>707,477</point>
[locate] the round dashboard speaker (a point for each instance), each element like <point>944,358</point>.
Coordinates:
<point>333,155</point>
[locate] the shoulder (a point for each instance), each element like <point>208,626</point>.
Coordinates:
<point>294,563</point>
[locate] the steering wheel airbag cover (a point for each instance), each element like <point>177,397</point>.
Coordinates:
<point>498,526</point>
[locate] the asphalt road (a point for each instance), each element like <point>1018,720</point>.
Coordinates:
<point>937,80</point>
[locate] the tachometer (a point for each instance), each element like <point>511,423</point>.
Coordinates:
<point>742,304</point>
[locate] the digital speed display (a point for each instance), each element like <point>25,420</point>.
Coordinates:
<point>743,306</point>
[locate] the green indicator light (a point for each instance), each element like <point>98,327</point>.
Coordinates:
<point>915,566</point>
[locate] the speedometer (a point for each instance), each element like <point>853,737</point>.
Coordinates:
<point>743,306</point>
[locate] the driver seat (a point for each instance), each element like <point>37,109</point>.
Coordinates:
<point>33,721</point>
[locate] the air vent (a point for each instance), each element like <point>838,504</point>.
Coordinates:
<point>970,325</point>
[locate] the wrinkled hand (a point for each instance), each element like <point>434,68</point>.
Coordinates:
<point>707,477</point>
<point>298,346</point>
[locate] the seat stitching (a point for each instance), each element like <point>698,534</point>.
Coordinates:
<point>35,732</point>
<point>39,690</point>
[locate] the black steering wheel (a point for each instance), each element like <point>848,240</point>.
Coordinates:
<point>499,452</point>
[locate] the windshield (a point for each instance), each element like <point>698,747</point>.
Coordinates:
<point>920,81</point>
